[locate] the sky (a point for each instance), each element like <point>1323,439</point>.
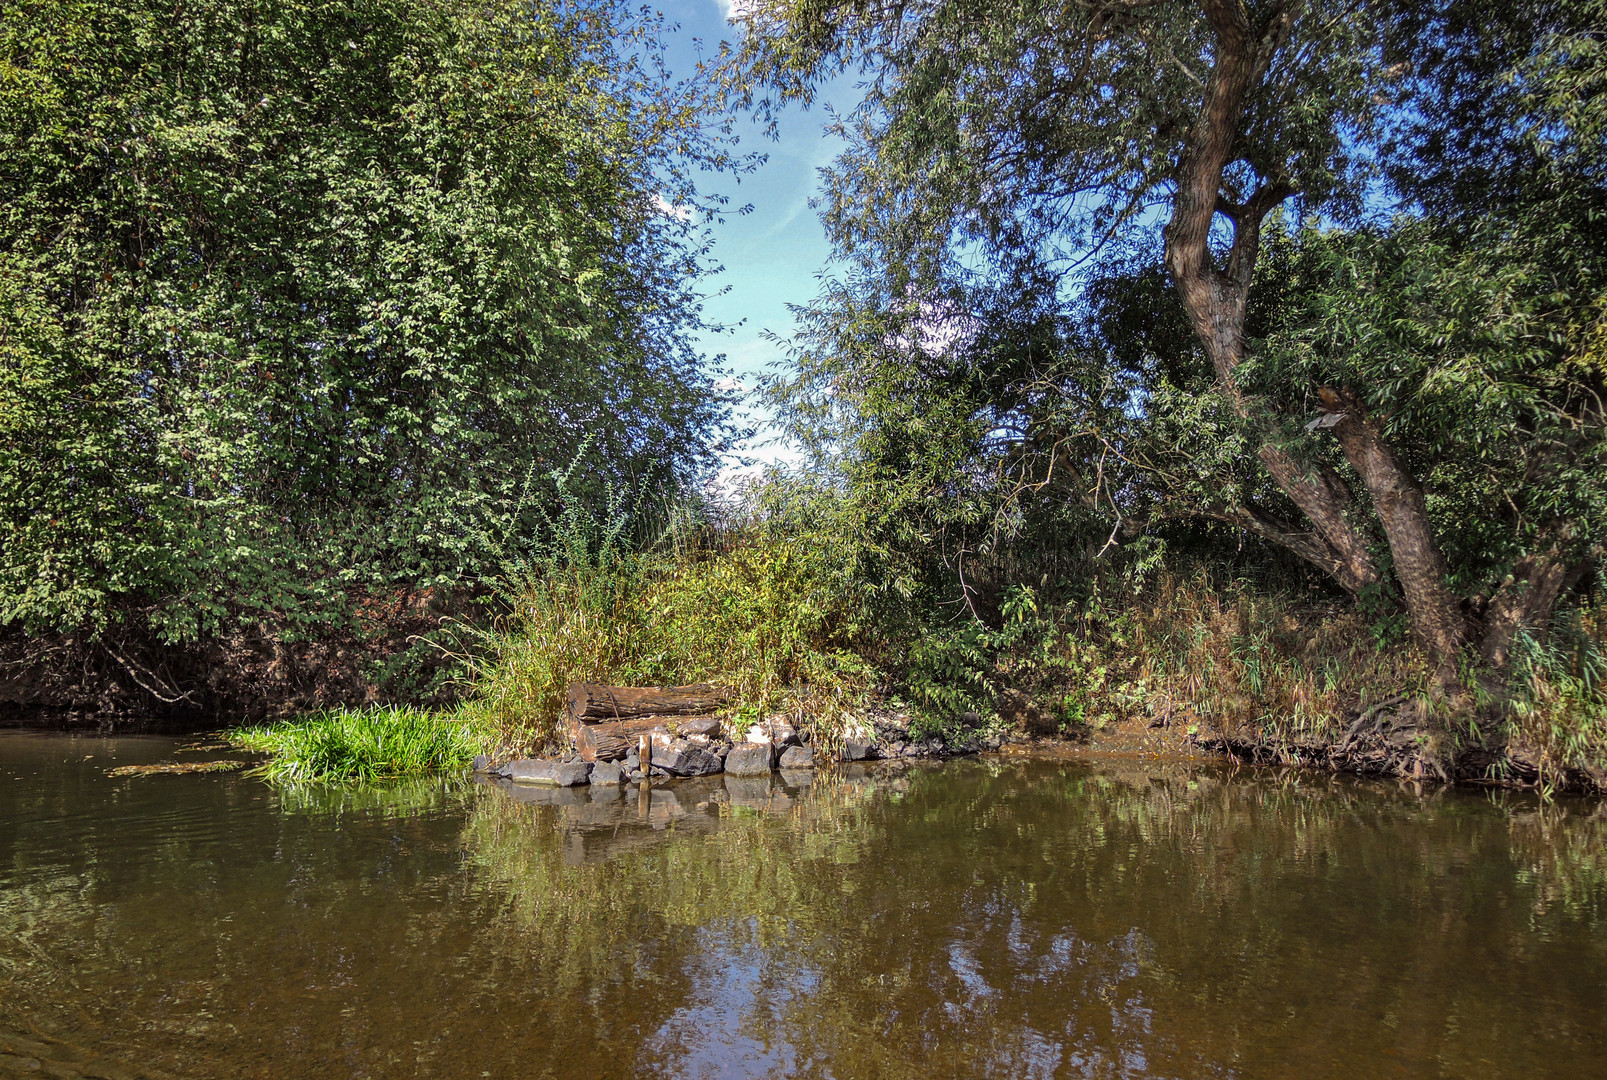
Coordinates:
<point>772,256</point>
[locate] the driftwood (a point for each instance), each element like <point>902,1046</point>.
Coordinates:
<point>591,703</point>
<point>613,739</point>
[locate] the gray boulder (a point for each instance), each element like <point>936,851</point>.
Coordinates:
<point>750,759</point>
<point>538,771</point>
<point>858,750</point>
<point>571,774</point>
<point>699,725</point>
<point>529,770</point>
<point>682,758</point>
<point>607,772</point>
<point>797,757</point>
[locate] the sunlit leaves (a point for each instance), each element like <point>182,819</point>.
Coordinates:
<point>294,297</point>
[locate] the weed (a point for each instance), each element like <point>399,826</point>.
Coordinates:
<point>1558,707</point>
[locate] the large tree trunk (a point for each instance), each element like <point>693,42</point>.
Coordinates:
<point>592,702</point>
<point>611,740</point>
<point>1525,601</point>
<point>1215,299</point>
<point>1434,610</point>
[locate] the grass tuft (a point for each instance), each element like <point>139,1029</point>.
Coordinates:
<point>363,745</point>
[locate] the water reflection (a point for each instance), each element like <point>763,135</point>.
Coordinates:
<point>978,919</point>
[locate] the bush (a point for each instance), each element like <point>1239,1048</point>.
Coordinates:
<point>292,296</point>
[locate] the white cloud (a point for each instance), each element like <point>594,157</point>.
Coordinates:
<point>734,9</point>
<point>668,209</point>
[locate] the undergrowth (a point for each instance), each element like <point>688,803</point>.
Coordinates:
<point>1278,667</point>
<point>1558,692</point>
<point>768,603</point>
<point>757,604</point>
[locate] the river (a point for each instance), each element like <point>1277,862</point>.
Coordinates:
<point>1002,917</point>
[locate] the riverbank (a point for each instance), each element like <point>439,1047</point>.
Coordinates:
<point>1182,665</point>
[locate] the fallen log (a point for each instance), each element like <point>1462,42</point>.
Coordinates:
<point>592,703</point>
<point>611,740</point>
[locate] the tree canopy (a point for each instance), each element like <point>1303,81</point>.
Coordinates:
<point>304,298</point>
<point>1332,274</point>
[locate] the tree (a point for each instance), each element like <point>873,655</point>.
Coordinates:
<point>298,300</point>
<point>1013,143</point>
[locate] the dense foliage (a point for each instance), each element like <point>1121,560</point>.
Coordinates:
<point>303,300</point>
<point>1330,275</point>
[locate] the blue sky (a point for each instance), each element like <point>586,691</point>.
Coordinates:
<point>773,255</point>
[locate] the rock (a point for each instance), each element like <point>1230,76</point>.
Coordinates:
<point>858,750</point>
<point>529,771</point>
<point>637,776</point>
<point>482,764</point>
<point>700,725</point>
<point>572,774</point>
<point>893,749</point>
<point>607,772</point>
<point>797,757</point>
<point>681,758</point>
<point>777,730</point>
<point>892,729</point>
<point>537,771</point>
<point>750,759</point>
<point>633,760</point>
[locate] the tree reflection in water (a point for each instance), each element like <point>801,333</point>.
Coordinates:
<point>977,919</point>
<point>1032,920</point>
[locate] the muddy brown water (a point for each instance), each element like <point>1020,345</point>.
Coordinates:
<point>983,918</point>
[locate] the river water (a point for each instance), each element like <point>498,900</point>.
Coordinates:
<point>982,918</point>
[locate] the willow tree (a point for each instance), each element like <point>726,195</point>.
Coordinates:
<point>1011,142</point>
<point>303,300</point>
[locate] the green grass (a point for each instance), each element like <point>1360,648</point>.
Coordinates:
<point>362,745</point>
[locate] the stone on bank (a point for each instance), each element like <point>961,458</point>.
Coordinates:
<point>751,759</point>
<point>559,773</point>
